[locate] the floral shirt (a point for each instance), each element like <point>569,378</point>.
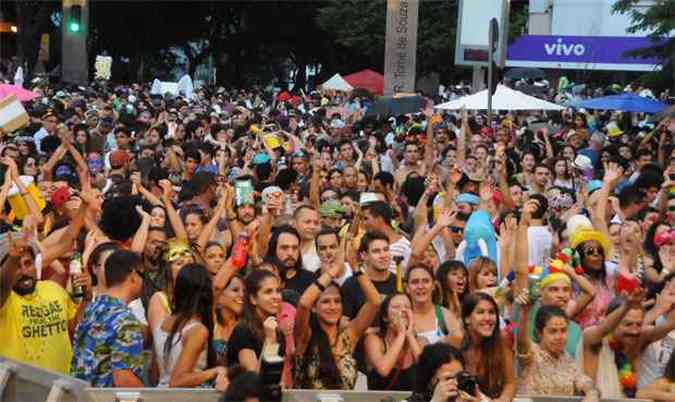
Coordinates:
<point>544,374</point>
<point>108,338</point>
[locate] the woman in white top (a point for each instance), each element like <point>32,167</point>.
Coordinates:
<point>185,356</point>
<point>433,322</point>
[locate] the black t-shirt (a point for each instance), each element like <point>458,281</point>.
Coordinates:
<point>300,281</point>
<point>243,338</point>
<point>354,299</point>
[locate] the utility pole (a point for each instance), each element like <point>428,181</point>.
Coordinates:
<point>74,32</point>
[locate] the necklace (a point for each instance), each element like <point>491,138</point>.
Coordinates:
<point>627,376</point>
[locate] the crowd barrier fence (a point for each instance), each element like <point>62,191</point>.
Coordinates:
<point>23,383</point>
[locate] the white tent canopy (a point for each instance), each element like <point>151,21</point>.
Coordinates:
<point>504,98</point>
<point>337,83</point>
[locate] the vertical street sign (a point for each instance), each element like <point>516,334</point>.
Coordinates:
<point>400,46</point>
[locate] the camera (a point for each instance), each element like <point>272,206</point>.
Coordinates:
<point>466,383</point>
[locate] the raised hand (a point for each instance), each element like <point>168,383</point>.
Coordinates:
<point>270,329</point>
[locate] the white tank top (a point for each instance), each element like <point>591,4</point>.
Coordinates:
<point>166,366</point>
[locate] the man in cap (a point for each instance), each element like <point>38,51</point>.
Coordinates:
<point>331,213</point>
<point>49,121</point>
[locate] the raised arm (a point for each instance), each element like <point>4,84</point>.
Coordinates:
<point>657,332</point>
<point>613,174</point>
<point>141,236</point>
<point>172,214</point>
<point>136,181</point>
<point>48,167</point>
<point>593,335</point>
<point>461,140</point>
<point>25,195</point>
<point>315,183</point>
<point>10,266</point>
<point>65,243</point>
<point>208,229</point>
<point>521,256</point>
<point>423,237</point>
<point>302,331</point>
<point>429,145</point>
<point>579,303</point>
<point>368,312</point>
<point>524,345</point>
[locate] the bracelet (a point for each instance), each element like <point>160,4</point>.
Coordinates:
<point>319,285</point>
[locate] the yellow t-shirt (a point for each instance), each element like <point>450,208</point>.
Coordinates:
<point>34,327</point>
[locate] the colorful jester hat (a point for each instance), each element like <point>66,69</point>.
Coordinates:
<point>479,227</point>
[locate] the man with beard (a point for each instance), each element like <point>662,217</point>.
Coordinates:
<point>284,252</point>
<point>154,278</point>
<point>612,348</point>
<point>35,315</point>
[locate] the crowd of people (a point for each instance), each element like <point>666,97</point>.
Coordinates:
<point>240,237</point>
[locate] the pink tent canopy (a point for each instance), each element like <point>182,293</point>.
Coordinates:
<point>23,95</point>
<point>367,79</point>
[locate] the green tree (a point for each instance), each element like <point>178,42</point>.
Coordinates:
<point>359,27</point>
<point>659,20</point>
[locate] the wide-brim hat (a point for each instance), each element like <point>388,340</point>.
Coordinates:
<point>583,235</point>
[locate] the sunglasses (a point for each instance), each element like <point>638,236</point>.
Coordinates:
<point>456,229</point>
<point>593,251</point>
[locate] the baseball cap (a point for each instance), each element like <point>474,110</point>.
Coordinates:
<point>331,209</point>
<point>60,196</point>
<point>119,158</point>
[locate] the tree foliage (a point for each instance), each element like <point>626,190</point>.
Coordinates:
<point>359,28</point>
<point>658,20</point>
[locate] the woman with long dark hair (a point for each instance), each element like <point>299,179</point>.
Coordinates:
<point>452,277</point>
<point>440,370</point>
<point>392,352</point>
<point>177,255</point>
<point>486,354</point>
<point>323,344</point>
<point>257,333</point>
<point>183,342</point>
<point>229,307</point>
<point>592,247</point>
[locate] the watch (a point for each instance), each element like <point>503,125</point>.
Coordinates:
<point>358,272</point>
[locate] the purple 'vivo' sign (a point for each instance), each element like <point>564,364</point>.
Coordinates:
<point>579,49</point>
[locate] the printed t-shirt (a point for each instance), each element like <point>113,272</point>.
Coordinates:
<point>34,327</point>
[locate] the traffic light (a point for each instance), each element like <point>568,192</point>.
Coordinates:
<point>75,23</point>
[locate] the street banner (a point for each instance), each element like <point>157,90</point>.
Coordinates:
<point>401,46</point>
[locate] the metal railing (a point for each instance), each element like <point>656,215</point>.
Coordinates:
<point>24,383</point>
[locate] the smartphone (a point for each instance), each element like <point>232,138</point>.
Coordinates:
<point>244,192</point>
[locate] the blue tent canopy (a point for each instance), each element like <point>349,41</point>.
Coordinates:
<point>626,102</point>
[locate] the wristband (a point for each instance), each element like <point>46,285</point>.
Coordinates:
<point>358,273</point>
<point>319,285</point>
